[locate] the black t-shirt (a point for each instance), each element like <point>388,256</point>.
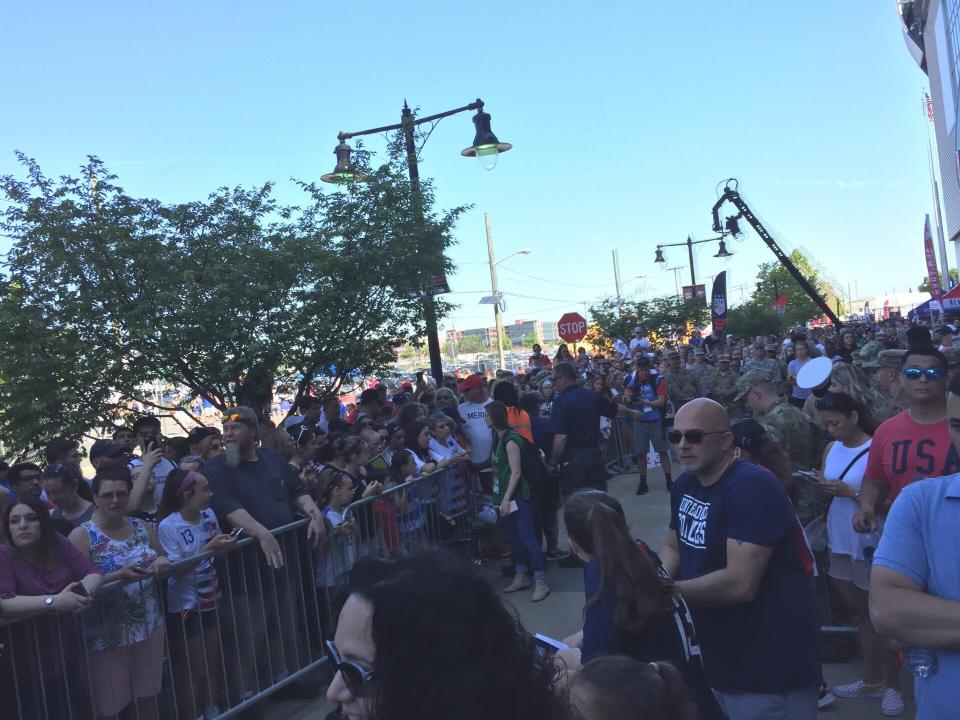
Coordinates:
<point>267,488</point>
<point>576,413</point>
<point>769,645</point>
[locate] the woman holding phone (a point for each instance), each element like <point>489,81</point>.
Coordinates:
<point>124,636</point>
<point>42,573</point>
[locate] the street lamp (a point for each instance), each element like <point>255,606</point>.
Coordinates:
<point>690,242</point>
<point>486,147</point>
<point>496,295</point>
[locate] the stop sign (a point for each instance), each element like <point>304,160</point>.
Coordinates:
<point>572,327</point>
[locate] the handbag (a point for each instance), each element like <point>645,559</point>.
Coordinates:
<point>816,529</point>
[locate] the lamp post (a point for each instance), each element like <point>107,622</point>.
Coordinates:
<point>494,289</point>
<point>486,148</point>
<point>690,242</point>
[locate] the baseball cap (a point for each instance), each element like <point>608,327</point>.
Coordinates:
<point>890,358</point>
<point>748,434</point>
<point>105,448</point>
<point>242,414</point>
<point>474,381</point>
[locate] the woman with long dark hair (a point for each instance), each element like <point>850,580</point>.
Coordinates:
<point>631,607</point>
<point>427,637</point>
<point>613,687</point>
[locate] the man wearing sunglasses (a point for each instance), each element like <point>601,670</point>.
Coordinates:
<point>736,554</point>
<point>912,445</point>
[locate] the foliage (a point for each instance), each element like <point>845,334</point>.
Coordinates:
<point>753,318</point>
<point>773,280</point>
<point>532,339</point>
<point>103,292</point>
<point>668,318</point>
<point>924,285</point>
<point>472,344</point>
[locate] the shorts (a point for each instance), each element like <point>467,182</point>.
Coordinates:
<point>647,433</point>
<point>180,627</point>
<point>844,567</point>
<point>126,673</point>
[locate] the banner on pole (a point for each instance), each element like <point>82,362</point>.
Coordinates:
<point>718,304</point>
<point>931,258</point>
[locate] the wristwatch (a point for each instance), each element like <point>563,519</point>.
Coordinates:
<point>48,602</point>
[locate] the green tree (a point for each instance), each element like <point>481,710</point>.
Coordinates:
<point>752,319</point>
<point>472,344</point>
<point>103,292</point>
<point>532,339</point>
<point>924,285</point>
<point>774,280</point>
<point>666,318</point>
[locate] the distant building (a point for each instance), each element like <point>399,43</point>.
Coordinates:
<point>518,331</point>
<point>931,29</point>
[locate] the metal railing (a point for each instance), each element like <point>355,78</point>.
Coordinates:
<point>128,655</point>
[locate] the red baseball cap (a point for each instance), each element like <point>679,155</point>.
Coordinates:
<point>472,382</point>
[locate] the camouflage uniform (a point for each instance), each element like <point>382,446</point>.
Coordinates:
<point>800,438</point>
<point>681,387</point>
<point>703,376</point>
<point>722,389</point>
<point>768,365</point>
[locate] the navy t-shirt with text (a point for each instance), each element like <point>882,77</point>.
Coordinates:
<point>769,645</point>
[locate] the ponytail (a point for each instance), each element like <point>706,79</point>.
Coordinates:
<point>616,685</point>
<point>597,524</point>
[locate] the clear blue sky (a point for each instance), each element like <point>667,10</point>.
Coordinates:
<point>624,117</point>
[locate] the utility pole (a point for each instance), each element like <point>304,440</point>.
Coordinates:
<point>616,277</point>
<point>498,319</point>
<point>693,275</point>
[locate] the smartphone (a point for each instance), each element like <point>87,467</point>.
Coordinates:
<point>378,462</point>
<point>80,589</point>
<point>237,532</point>
<point>807,473</point>
<point>141,571</point>
<point>547,645</point>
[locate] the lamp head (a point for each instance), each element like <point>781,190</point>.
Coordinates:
<point>344,171</point>
<point>723,252</point>
<point>486,147</point>
<point>659,256</point>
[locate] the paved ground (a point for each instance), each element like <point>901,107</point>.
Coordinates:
<point>560,614</point>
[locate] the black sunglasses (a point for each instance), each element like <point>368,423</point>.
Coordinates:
<point>694,437</point>
<point>355,677</point>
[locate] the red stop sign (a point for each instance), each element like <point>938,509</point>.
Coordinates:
<point>572,327</point>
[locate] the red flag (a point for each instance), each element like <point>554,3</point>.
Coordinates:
<point>781,303</point>
<point>931,262</point>
<point>929,104</point>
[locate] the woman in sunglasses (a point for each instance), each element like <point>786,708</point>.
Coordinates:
<point>631,608</point>
<point>427,637</point>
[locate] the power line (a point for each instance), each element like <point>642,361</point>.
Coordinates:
<point>550,281</point>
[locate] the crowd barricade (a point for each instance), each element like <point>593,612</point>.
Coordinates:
<point>615,457</point>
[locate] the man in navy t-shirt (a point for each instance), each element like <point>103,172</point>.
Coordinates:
<point>737,557</point>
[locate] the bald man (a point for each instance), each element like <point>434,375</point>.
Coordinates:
<point>735,550</point>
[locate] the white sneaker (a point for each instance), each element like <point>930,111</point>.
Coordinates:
<point>892,703</point>
<point>858,689</point>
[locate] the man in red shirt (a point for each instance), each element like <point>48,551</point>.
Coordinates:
<point>539,361</point>
<point>912,445</point>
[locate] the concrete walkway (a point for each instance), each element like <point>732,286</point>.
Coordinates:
<point>561,613</point>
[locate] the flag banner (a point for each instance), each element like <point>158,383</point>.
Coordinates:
<point>931,257</point>
<point>718,304</point>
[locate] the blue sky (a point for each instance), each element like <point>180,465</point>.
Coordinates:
<point>624,117</point>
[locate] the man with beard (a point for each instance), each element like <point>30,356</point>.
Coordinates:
<point>737,557</point>
<point>256,490</point>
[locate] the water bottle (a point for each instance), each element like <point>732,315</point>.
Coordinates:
<point>921,662</point>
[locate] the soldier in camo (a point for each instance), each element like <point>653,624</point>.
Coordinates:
<point>681,386</point>
<point>952,354</point>
<point>723,384</point>
<point>868,359</point>
<point>702,372</point>
<point>888,379</point>
<point>759,361</point>
<point>797,435</point>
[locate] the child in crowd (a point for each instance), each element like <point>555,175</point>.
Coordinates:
<point>614,687</point>
<point>187,528</point>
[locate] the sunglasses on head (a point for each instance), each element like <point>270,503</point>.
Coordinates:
<point>930,373</point>
<point>694,437</point>
<point>355,677</point>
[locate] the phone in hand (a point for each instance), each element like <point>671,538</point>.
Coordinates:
<point>237,532</point>
<point>141,571</point>
<point>807,473</point>
<point>80,589</point>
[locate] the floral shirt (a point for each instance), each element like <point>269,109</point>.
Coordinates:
<point>129,614</point>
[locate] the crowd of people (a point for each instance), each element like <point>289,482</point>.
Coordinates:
<point>777,452</point>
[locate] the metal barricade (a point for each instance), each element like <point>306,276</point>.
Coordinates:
<point>128,655</point>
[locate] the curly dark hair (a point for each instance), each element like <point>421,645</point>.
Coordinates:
<point>446,646</point>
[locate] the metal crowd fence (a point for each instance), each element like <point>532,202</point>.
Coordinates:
<point>129,656</point>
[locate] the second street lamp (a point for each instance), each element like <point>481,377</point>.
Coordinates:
<point>486,147</point>
<point>690,242</point>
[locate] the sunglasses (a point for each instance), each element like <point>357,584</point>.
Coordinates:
<point>355,677</point>
<point>930,373</point>
<point>121,495</point>
<point>694,437</point>
<point>234,417</point>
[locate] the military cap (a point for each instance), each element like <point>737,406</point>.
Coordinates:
<point>749,381</point>
<point>890,358</point>
<point>770,348</point>
<point>953,356</point>
<point>866,357</point>
<point>673,354</point>
<point>723,358</point>
<point>814,373</point>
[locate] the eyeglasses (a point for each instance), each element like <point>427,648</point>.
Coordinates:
<point>931,374</point>
<point>234,417</point>
<point>694,437</point>
<point>355,677</point>
<point>121,495</point>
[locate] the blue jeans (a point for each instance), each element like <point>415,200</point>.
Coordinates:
<point>524,547</point>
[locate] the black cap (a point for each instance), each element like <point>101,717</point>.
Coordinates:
<point>748,434</point>
<point>105,448</point>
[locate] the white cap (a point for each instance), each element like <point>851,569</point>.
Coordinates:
<point>814,373</point>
